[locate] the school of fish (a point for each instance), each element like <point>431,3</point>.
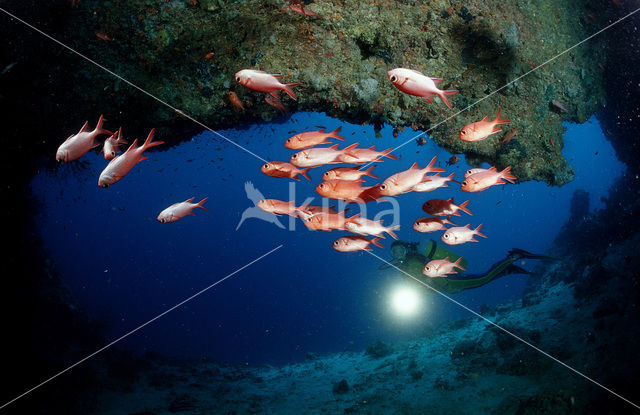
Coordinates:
<point>339,183</point>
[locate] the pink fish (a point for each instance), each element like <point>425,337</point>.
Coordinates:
<point>427,224</point>
<point>364,226</point>
<point>112,145</point>
<point>276,103</point>
<point>121,165</point>
<point>279,207</point>
<point>298,7</point>
<point>441,267</point>
<point>263,82</point>
<point>415,83</point>
<point>328,221</point>
<point>312,138</point>
<point>283,169</point>
<point>318,156</point>
<point>366,155</point>
<point>433,182</point>
<point>404,181</point>
<point>473,171</point>
<point>461,234</point>
<point>355,243</point>
<point>484,179</point>
<point>348,173</point>
<point>439,207</point>
<point>78,145</point>
<point>180,210</point>
<point>482,129</point>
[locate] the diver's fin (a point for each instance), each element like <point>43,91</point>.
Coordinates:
<point>514,269</point>
<point>525,254</point>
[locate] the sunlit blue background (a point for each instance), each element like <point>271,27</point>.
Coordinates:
<point>124,267</point>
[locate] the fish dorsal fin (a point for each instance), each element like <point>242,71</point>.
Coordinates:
<point>335,146</point>
<point>414,166</point>
<point>372,148</point>
<point>277,75</point>
<point>493,168</point>
<point>189,200</point>
<point>132,146</point>
<point>418,72</point>
<point>486,117</point>
<point>450,200</point>
<point>84,127</point>
<point>467,226</point>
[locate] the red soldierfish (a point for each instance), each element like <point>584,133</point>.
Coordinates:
<point>364,226</point>
<point>279,207</point>
<point>180,210</point>
<point>236,101</point>
<point>404,181</point>
<point>441,267</point>
<point>355,243</point>
<point>298,7</point>
<point>121,165</point>
<point>439,207</point>
<point>366,155</point>
<point>349,191</point>
<point>328,221</point>
<point>263,82</point>
<point>426,224</point>
<point>79,144</point>
<point>348,173</point>
<point>319,156</point>
<point>312,138</point>
<point>415,83</point>
<point>311,210</point>
<point>461,234</point>
<point>283,169</point>
<point>112,145</point>
<point>480,130</point>
<point>276,103</point>
<point>472,171</point>
<point>433,182</point>
<point>483,180</point>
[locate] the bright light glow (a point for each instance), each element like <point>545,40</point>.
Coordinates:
<point>405,301</point>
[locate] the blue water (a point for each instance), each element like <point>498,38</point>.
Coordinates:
<point>124,267</point>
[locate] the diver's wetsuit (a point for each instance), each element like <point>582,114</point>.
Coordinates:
<point>408,257</point>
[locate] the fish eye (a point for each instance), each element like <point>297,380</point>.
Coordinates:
<point>309,220</point>
<point>446,235</point>
<point>428,203</point>
<point>237,79</point>
<point>266,166</point>
<point>463,132</point>
<point>321,185</point>
<point>464,183</point>
<point>384,186</point>
<point>427,268</point>
<point>294,156</point>
<point>335,243</point>
<point>393,78</point>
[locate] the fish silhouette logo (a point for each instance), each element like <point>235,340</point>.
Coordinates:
<point>255,196</point>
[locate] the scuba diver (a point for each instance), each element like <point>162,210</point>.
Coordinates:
<point>411,257</point>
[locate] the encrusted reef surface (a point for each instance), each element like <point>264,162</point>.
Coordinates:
<point>185,52</point>
<point>582,311</point>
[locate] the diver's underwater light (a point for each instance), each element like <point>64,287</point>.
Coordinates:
<point>405,301</point>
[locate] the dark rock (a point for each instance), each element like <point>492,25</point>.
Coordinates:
<point>340,388</point>
<point>182,403</point>
<point>417,374</point>
<point>465,14</point>
<point>441,383</point>
<point>378,350</point>
<point>466,348</point>
<point>606,307</point>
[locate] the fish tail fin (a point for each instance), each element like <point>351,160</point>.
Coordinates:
<point>498,120</point>
<point>457,264</point>
<point>287,88</point>
<point>477,231</point>
<point>368,172</point>
<point>334,134</point>
<point>443,96</point>
<point>391,229</point>
<point>201,203</point>
<point>463,207</point>
<point>304,173</point>
<point>387,153</point>
<point>148,142</point>
<point>430,167</point>
<point>375,242</point>
<point>507,175</point>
